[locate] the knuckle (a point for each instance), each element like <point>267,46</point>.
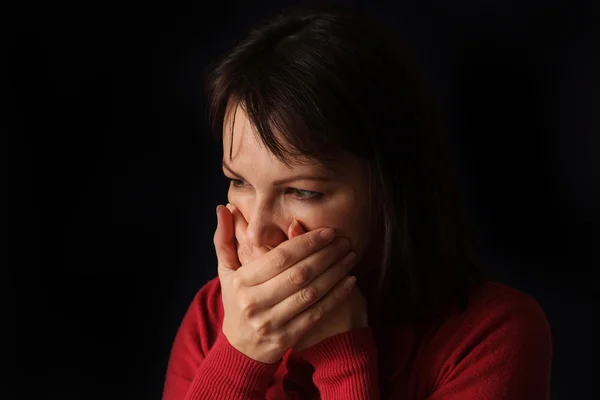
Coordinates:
<point>281,339</point>
<point>307,294</point>
<point>311,241</point>
<point>280,259</point>
<point>316,313</point>
<point>299,275</point>
<point>244,252</point>
<point>263,328</point>
<point>248,308</point>
<point>219,245</point>
<point>237,282</point>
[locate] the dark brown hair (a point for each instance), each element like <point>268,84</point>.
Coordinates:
<point>322,78</point>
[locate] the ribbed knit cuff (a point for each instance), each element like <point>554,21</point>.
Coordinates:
<point>346,365</point>
<point>357,345</point>
<point>227,373</point>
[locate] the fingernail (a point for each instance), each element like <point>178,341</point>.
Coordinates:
<point>349,258</point>
<point>328,233</point>
<point>349,282</point>
<point>218,210</point>
<point>293,224</point>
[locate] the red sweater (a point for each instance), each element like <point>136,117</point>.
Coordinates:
<point>499,348</point>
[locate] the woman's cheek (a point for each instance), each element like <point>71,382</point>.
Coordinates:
<point>317,215</point>
<point>235,197</point>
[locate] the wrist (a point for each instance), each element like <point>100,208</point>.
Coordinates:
<point>357,345</point>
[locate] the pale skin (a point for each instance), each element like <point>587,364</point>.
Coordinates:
<point>280,278</point>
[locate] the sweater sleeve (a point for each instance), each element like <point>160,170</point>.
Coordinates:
<point>502,351</point>
<point>346,365</point>
<point>204,365</point>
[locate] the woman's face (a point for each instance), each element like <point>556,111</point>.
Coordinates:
<point>269,194</point>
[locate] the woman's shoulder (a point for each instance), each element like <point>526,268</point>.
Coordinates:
<point>500,326</point>
<point>495,306</point>
<point>499,343</point>
<point>491,307</point>
<point>505,307</point>
<point>497,294</point>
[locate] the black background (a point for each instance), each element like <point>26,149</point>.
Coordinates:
<point>116,177</point>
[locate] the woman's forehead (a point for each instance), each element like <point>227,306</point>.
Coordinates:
<point>241,138</point>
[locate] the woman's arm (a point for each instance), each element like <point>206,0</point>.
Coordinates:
<point>501,350</point>
<point>346,366</point>
<point>200,369</point>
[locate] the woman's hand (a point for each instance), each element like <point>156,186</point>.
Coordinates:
<point>348,315</point>
<point>271,302</point>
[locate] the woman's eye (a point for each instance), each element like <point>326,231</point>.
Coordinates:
<point>305,194</point>
<point>300,194</point>
<point>237,182</point>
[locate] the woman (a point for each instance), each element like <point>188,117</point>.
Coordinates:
<point>344,269</point>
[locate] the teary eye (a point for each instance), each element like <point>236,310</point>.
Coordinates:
<point>304,195</point>
<point>237,182</point>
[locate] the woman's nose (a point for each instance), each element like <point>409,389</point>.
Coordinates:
<point>264,230</point>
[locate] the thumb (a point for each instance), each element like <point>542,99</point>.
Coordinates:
<point>224,241</point>
<point>240,225</point>
<point>245,251</point>
<point>295,229</point>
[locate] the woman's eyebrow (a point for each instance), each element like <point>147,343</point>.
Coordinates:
<point>232,172</point>
<point>321,178</point>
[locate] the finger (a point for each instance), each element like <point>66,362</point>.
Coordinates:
<point>224,241</point>
<point>310,313</point>
<point>287,254</point>
<point>245,251</point>
<point>239,222</point>
<point>308,275</point>
<point>295,229</point>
